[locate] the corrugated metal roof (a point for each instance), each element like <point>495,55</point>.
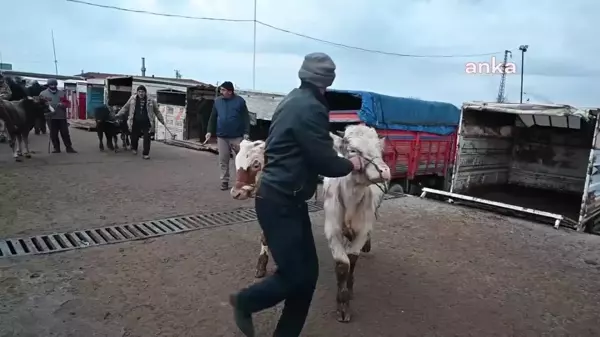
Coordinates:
<point>528,109</point>
<point>38,75</point>
<point>261,104</point>
<point>161,80</point>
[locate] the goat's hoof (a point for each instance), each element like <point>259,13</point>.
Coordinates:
<point>19,158</point>
<point>27,155</point>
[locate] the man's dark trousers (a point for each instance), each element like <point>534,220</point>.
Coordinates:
<point>138,131</point>
<point>56,126</point>
<point>287,229</point>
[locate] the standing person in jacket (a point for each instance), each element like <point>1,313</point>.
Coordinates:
<point>231,120</point>
<point>298,149</point>
<point>141,111</point>
<point>58,120</point>
<point>5,92</point>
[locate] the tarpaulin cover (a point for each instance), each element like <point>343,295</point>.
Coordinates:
<point>408,114</point>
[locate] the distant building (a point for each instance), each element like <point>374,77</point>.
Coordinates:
<point>5,66</point>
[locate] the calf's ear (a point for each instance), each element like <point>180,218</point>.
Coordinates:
<point>337,142</point>
<point>382,141</point>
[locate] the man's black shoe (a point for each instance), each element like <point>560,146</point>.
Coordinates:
<point>242,320</point>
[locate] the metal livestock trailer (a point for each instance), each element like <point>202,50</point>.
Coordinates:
<point>529,159</point>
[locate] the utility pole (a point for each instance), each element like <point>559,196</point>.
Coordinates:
<point>54,51</point>
<point>523,49</point>
<point>254,52</point>
<point>143,66</point>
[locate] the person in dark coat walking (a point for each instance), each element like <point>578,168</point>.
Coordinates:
<point>298,149</point>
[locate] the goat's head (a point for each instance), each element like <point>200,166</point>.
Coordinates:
<point>363,141</point>
<point>249,162</point>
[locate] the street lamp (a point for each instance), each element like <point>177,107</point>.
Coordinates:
<point>523,48</point>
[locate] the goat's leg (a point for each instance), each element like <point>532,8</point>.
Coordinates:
<point>263,258</point>
<point>26,143</point>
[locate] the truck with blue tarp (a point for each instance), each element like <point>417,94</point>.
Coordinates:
<point>421,136</point>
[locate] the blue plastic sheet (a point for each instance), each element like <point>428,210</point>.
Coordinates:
<point>408,114</point>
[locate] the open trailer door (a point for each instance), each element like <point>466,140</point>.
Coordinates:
<point>528,159</point>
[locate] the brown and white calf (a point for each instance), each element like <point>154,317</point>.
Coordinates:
<point>350,203</point>
<point>249,162</point>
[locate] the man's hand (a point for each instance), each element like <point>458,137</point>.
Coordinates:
<point>358,163</point>
<point>246,137</point>
<point>207,137</point>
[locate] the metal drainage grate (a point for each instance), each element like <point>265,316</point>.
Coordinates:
<point>60,242</point>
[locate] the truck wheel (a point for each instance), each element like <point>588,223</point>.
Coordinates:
<point>396,189</point>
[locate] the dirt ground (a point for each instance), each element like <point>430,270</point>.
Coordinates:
<point>435,269</point>
<point>57,192</point>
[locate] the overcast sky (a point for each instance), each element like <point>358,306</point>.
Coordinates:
<point>561,65</point>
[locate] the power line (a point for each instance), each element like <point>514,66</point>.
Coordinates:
<point>140,11</point>
<point>264,24</point>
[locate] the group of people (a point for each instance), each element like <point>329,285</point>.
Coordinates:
<point>298,150</point>
<point>13,89</point>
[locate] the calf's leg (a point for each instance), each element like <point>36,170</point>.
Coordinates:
<point>333,232</point>
<point>17,148</point>
<point>100,133</point>
<point>263,258</point>
<point>26,142</point>
<point>353,252</point>
<point>367,247</point>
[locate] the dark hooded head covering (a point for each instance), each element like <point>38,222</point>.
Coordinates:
<point>142,88</point>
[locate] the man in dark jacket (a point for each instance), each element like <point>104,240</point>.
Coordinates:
<point>58,120</point>
<point>230,119</point>
<point>298,149</point>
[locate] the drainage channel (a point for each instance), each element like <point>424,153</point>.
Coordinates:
<point>60,242</point>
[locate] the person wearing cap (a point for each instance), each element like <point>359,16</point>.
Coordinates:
<point>57,121</point>
<point>142,113</point>
<point>298,150</point>
<point>231,121</point>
